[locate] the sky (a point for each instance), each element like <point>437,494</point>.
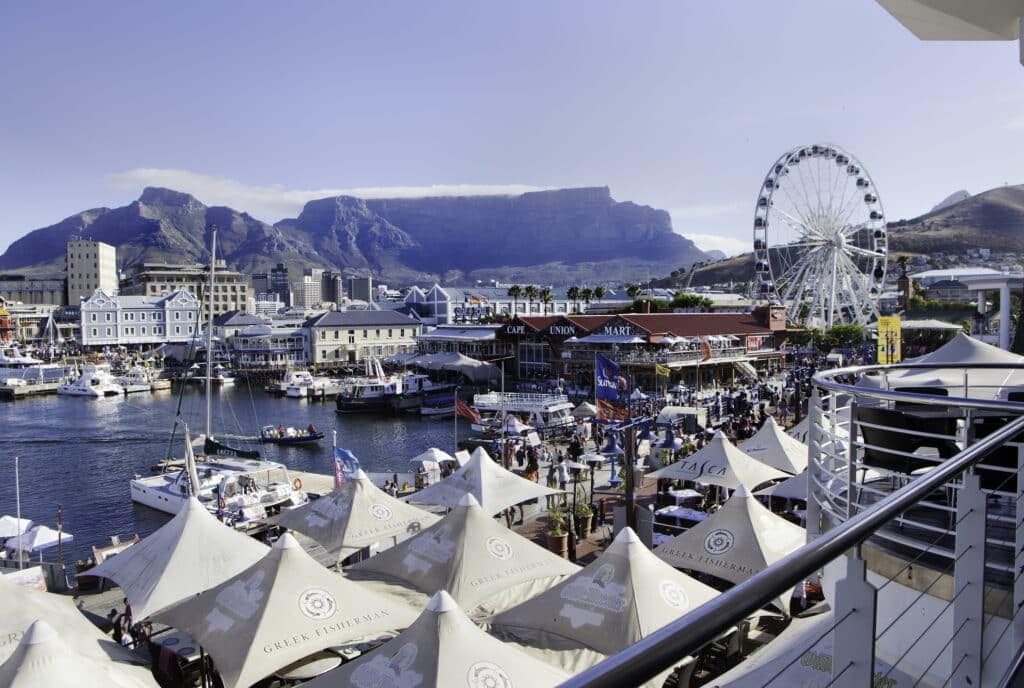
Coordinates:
<point>681,105</point>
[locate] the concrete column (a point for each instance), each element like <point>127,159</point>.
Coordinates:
<point>981,301</point>
<point>1004,316</point>
<point>969,583</point>
<point>853,654</point>
<point>813,466</point>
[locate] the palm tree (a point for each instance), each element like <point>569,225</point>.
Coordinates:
<point>531,294</point>
<point>546,297</point>
<point>599,293</point>
<point>515,291</point>
<point>633,290</point>
<point>586,295</point>
<point>573,294</point>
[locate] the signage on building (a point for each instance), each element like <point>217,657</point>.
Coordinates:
<point>515,329</point>
<point>889,334</point>
<point>562,330</point>
<point>617,330</point>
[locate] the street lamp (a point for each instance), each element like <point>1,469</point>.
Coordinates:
<point>612,449</point>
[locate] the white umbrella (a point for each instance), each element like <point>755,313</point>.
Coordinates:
<point>493,487</point>
<point>11,526</point>
<point>624,595</point>
<point>20,606</point>
<point>485,566</point>
<point>773,447</point>
<point>42,659</point>
<point>584,410</point>
<point>719,462</point>
<point>281,609</point>
<point>737,541</point>
<point>434,455</point>
<point>444,648</point>
<point>40,537</point>
<point>794,488</point>
<point>356,515</point>
<point>190,553</point>
<point>515,426</point>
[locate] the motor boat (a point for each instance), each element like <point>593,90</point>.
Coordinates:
<point>137,379</point>
<point>289,435</point>
<point>376,391</point>
<point>95,381</point>
<point>308,385</point>
<point>549,413</point>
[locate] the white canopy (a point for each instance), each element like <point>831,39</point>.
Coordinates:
<point>42,659</point>
<point>485,566</point>
<point>584,410</point>
<point>624,595</point>
<point>282,608</point>
<point>462,457</point>
<point>954,353</point>
<point>20,606</point>
<point>40,537</point>
<point>356,515</point>
<point>515,426</point>
<point>794,488</point>
<point>737,541</point>
<point>10,526</point>
<point>189,554</point>
<point>720,463</point>
<point>965,349</point>
<point>433,454</point>
<point>444,648</point>
<point>494,488</point>
<point>773,447</point>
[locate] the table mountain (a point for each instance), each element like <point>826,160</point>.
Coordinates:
<point>582,232</point>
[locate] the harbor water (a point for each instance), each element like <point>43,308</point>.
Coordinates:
<point>80,453</point>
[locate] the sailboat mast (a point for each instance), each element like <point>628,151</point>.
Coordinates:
<point>209,330</point>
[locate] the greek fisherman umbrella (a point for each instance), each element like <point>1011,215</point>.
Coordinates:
<point>773,447</point>
<point>624,595</point>
<point>42,659</point>
<point>278,611</point>
<point>485,566</point>
<point>356,515</point>
<point>720,463</point>
<point>493,487</point>
<point>443,648</point>
<point>20,607</point>
<point>190,553</point>
<point>737,541</point>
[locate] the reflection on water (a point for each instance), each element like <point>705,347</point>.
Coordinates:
<point>81,452</point>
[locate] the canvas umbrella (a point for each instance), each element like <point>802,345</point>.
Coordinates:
<point>444,648</point>
<point>11,526</point>
<point>20,607</point>
<point>740,539</point>
<point>719,462</point>
<point>624,595</point>
<point>356,515</point>
<point>485,566</point>
<point>279,610</point>
<point>794,488</point>
<point>493,487</point>
<point>40,537</point>
<point>190,553</point>
<point>584,410</point>
<point>773,447</point>
<point>42,659</point>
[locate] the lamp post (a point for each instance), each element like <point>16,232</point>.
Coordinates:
<point>611,449</point>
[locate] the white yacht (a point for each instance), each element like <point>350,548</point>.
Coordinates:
<point>22,369</point>
<point>95,381</point>
<point>137,379</point>
<point>291,377</point>
<point>376,391</point>
<point>551,413</point>
<point>309,385</point>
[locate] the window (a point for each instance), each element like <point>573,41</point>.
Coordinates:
<point>94,332</point>
<point>177,329</point>
<point>93,318</point>
<point>365,335</point>
<point>108,331</point>
<point>336,334</point>
<point>401,332</point>
<point>390,333</point>
<point>108,317</point>
<point>177,315</point>
<point>351,338</point>
<point>377,335</point>
<point>143,330</point>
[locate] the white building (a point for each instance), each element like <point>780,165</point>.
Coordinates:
<point>91,265</point>
<point>266,346</point>
<point>138,320</point>
<point>338,337</point>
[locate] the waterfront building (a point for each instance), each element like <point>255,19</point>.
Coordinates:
<point>476,341</point>
<point>227,324</point>
<point>443,305</point>
<point>270,346</point>
<point>338,337</point>
<point>34,290</point>
<point>91,265</point>
<point>132,320</point>
<point>230,289</point>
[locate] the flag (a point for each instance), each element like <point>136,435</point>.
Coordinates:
<point>346,463</point>
<point>608,411</point>
<point>606,375</point>
<point>339,475</point>
<point>661,371</point>
<point>466,411</point>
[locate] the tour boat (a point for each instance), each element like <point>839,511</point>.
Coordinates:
<point>307,385</point>
<point>548,413</point>
<point>376,391</point>
<point>283,435</point>
<point>95,381</point>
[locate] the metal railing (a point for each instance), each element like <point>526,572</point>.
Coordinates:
<point>850,523</point>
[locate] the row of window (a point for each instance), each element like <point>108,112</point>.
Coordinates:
<point>366,334</point>
<point>130,315</point>
<point>130,331</point>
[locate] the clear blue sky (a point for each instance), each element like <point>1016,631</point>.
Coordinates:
<point>679,105</point>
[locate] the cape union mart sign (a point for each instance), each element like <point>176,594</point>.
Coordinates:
<point>562,330</point>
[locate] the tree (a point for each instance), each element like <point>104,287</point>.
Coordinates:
<point>633,290</point>
<point>599,293</point>
<point>573,294</point>
<point>845,336</point>
<point>684,300</point>
<point>531,295</point>
<point>515,292</point>
<point>546,297</point>
<point>586,295</point>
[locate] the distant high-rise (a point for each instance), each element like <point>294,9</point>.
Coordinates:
<point>91,265</point>
<point>360,288</point>
<point>280,284</point>
<point>260,283</point>
<point>332,287</point>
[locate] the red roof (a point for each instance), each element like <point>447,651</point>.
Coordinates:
<point>696,324</point>
<point>539,322</point>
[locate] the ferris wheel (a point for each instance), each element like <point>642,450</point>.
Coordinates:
<point>820,246</point>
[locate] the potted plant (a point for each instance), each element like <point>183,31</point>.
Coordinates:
<point>585,514</point>
<point>558,536</point>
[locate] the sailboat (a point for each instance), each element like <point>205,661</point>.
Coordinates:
<point>235,480</point>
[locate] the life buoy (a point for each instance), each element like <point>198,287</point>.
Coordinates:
<point>297,483</point>
<point>222,503</point>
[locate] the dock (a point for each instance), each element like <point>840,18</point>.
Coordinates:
<point>28,390</point>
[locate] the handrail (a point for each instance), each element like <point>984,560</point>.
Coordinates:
<point>668,645</point>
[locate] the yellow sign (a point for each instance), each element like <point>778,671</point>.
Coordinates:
<point>662,371</point>
<point>889,335</point>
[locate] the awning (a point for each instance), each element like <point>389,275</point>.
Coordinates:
<point>459,335</point>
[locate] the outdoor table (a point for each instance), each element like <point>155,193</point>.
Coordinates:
<point>682,513</point>
<point>684,495</point>
<point>309,667</point>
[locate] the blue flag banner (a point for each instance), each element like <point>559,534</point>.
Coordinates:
<point>606,378</point>
<point>346,461</point>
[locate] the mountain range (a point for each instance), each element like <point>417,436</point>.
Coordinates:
<point>557,237</point>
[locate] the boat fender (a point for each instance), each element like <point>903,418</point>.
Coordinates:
<point>297,483</point>
<point>222,503</point>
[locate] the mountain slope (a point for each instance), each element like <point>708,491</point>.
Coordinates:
<point>993,219</point>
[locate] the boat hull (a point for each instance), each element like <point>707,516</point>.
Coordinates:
<point>305,439</point>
